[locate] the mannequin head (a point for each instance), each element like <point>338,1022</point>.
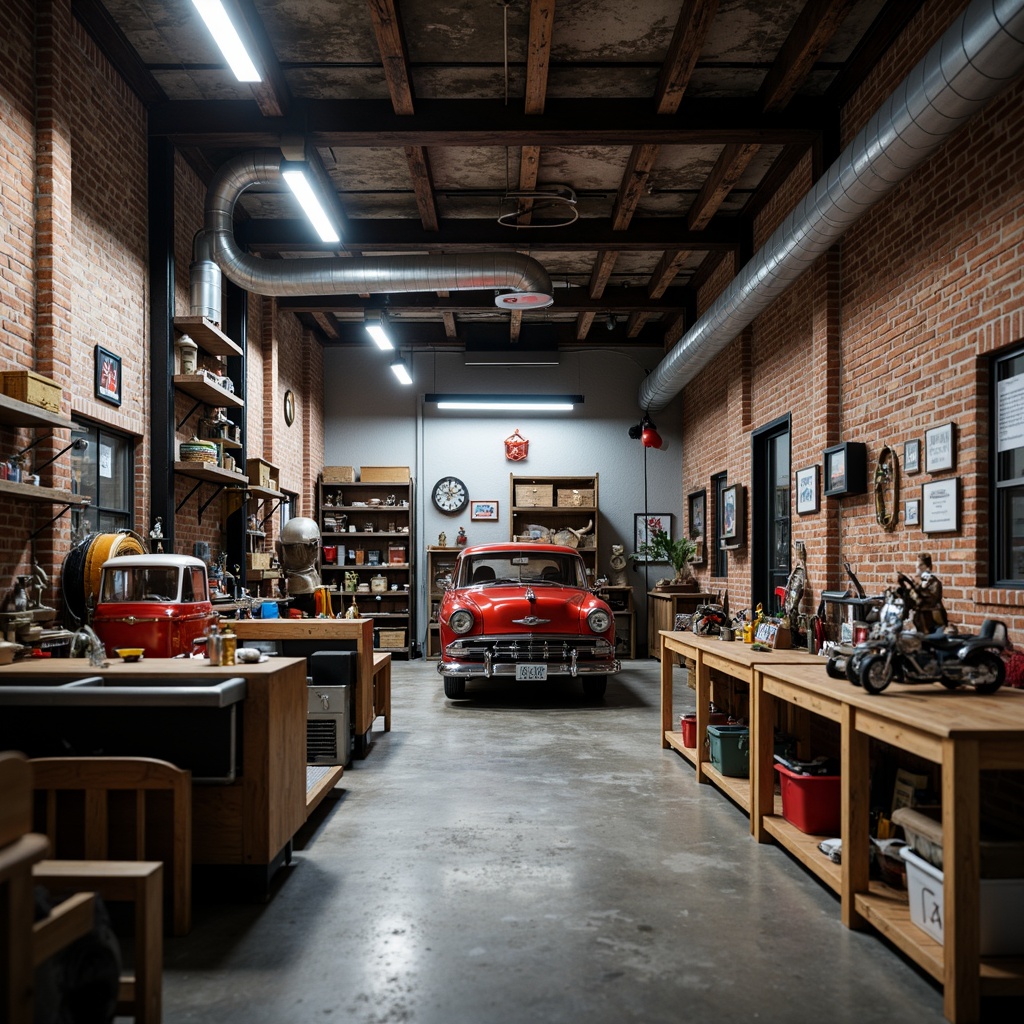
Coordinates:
<point>298,550</point>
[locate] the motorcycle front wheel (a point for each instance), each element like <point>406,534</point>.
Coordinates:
<point>875,673</point>
<point>986,671</point>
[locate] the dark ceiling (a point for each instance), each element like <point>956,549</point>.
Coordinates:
<point>650,133</point>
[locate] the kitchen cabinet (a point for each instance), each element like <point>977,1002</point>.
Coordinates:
<point>367,533</point>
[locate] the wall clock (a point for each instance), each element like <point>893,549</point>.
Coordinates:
<point>450,495</point>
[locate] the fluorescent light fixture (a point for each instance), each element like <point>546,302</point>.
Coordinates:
<point>401,371</point>
<point>379,335</point>
<point>299,184</point>
<point>511,358</point>
<point>226,36</point>
<point>505,403</point>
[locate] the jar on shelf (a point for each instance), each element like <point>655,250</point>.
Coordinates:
<point>188,354</point>
<point>378,584</point>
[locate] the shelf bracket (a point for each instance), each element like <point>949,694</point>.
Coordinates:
<point>206,504</point>
<point>263,521</point>
<point>181,504</point>
<point>187,416</point>
<point>50,522</point>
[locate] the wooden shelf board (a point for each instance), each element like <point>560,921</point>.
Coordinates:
<point>15,413</point>
<point>738,789</point>
<point>211,474</point>
<point>196,385</point>
<point>320,788</point>
<point>804,848</point>
<point>40,495</point>
<point>207,335</point>
<point>675,741</point>
<point>264,492</point>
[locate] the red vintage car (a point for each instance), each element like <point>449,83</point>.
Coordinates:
<point>159,603</point>
<point>525,611</point>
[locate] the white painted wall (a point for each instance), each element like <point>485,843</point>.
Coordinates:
<point>371,420</point>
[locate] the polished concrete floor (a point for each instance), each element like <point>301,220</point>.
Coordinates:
<point>528,856</point>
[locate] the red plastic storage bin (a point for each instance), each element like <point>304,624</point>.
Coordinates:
<point>688,726</point>
<point>810,802</point>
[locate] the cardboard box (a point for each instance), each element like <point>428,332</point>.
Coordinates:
<point>33,388</point>
<point>384,474</point>
<point>535,495</point>
<point>263,474</point>
<point>575,498</point>
<point>339,474</point>
<point>258,560</point>
<point>392,638</point>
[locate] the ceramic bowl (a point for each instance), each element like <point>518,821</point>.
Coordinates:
<point>130,653</point>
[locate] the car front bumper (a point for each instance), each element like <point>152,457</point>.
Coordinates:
<point>499,656</point>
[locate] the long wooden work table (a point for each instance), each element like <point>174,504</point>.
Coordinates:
<point>962,732</point>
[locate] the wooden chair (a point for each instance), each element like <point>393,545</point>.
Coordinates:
<point>110,817</point>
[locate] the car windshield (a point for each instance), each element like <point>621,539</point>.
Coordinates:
<point>142,584</point>
<point>535,568</point>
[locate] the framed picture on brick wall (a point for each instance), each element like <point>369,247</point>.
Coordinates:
<point>912,456</point>
<point>940,448</point>
<point>940,506</point>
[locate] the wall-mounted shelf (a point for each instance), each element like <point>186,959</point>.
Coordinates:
<point>196,385</point>
<point>15,413</point>
<point>207,335</point>
<point>211,474</point>
<point>41,495</point>
<point>265,493</point>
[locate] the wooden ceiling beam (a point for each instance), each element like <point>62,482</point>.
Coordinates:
<point>729,166</point>
<point>271,93</point>
<point>695,18</point>
<point>665,272</point>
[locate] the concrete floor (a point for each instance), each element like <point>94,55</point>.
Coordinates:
<point>527,856</point>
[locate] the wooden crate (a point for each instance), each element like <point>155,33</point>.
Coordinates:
<point>33,388</point>
<point>392,638</point>
<point>574,498</point>
<point>262,474</point>
<point>535,495</point>
<point>384,474</point>
<point>339,474</point>
<point>258,560</point>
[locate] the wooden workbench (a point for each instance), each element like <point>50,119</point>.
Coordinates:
<point>662,608</point>
<point>251,821</point>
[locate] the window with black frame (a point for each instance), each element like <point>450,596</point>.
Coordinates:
<point>104,471</point>
<point>720,564</point>
<point>1008,469</point>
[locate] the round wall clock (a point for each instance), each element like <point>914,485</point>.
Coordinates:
<point>450,495</point>
<point>289,408</point>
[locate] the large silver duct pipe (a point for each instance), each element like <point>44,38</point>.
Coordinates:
<point>973,61</point>
<point>343,276</point>
<point>204,278</point>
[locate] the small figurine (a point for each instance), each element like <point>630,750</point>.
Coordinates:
<point>929,612</point>
<point>442,540</point>
<point>617,577</point>
<point>460,537</point>
<point>157,535</point>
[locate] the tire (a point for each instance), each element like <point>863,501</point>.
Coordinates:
<point>853,664</point>
<point>454,687</point>
<point>594,686</point>
<point>875,673</point>
<point>989,671</point>
<point>833,669</point>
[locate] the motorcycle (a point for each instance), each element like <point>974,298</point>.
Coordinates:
<point>893,651</point>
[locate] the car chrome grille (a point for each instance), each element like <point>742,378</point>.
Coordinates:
<point>530,648</point>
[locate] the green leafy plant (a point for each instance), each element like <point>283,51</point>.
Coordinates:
<point>678,553</point>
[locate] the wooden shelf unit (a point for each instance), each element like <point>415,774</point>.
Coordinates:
<point>553,516</point>
<point>620,600</point>
<point>439,561</point>
<point>391,610</point>
<point>207,335</point>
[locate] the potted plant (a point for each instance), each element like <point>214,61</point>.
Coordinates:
<point>678,553</point>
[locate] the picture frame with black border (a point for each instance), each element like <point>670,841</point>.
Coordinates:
<point>644,526</point>
<point>912,513</point>
<point>733,515</point>
<point>940,448</point>
<point>940,505</point>
<point>697,511</point>
<point>845,469</point>
<point>108,376</point>
<point>806,486</point>
<point>912,456</point>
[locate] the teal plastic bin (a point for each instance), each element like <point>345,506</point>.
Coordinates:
<point>730,749</point>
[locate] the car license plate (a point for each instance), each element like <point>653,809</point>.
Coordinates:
<point>531,673</point>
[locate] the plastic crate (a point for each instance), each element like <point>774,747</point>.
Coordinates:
<point>810,802</point>
<point>999,858</point>
<point>688,726</point>
<point>1000,905</point>
<point>730,749</point>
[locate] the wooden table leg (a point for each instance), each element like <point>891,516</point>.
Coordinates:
<point>666,691</point>
<point>854,815</point>
<point>762,758</point>
<point>702,684</point>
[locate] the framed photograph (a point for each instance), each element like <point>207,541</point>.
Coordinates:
<point>940,448</point>
<point>845,468</point>
<point>733,514</point>
<point>807,490</point>
<point>940,506</point>
<point>108,376</point>
<point>912,456</point>
<point>912,513</point>
<point>697,507</point>
<point>644,528</point>
<point>483,510</point>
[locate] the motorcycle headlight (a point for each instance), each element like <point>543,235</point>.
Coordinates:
<point>461,621</point>
<point>598,620</point>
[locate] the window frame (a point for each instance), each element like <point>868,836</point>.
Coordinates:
<point>999,537</point>
<point>97,509</point>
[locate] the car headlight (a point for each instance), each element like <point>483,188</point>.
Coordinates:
<point>461,621</point>
<point>598,620</point>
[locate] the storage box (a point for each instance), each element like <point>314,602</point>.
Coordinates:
<point>574,499</point>
<point>263,474</point>
<point>258,560</point>
<point>384,474</point>
<point>339,474</point>
<point>999,858</point>
<point>730,749</point>
<point>1000,904</point>
<point>535,495</point>
<point>688,726</point>
<point>33,388</point>
<point>810,802</point>
<point>392,638</point>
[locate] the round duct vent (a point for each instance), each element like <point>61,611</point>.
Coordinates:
<point>522,300</point>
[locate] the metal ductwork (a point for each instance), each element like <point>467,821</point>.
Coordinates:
<point>981,52</point>
<point>529,281</point>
